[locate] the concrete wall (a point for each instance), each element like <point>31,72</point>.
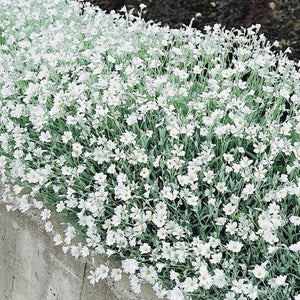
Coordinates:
<point>32,268</point>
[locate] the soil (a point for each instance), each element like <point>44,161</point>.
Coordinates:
<point>280,19</point>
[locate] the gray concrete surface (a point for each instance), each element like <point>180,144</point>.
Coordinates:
<point>33,268</point>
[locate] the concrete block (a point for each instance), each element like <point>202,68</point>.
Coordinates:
<point>33,268</point>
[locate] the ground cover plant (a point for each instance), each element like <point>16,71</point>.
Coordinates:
<point>280,19</point>
<point>174,151</point>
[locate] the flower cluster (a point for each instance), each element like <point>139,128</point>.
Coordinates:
<point>175,152</point>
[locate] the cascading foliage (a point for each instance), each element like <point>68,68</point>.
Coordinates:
<point>174,151</point>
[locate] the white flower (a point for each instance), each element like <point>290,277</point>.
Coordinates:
<point>93,277</point>
<point>231,228</point>
<point>48,226</point>
<point>259,271</point>
<point>239,286</point>
<point>295,247</point>
<point>102,271</point>
<point>75,250</point>
<point>66,137</point>
<point>85,251</point>
<point>46,214</point>
<point>132,119</point>
<point>229,209</point>
<point>234,246</point>
<point>145,248</point>
<point>175,294</point>
<point>278,281</point>
<point>220,221</point>
<point>111,169</point>
<point>192,200</point>
<point>272,249</point>
<point>149,274</point>
<point>216,258</point>
<point>295,220</point>
<point>205,279</point>
<point>252,292</point>
<point>178,150</point>
<point>145,173</point>
<point>228,157</point>
<point>76,149</point>
<point>190,284</point>
<point>284,93</point>
<point>156,161</point>
<point>219,278</point>
<point>174,275</point>
<point>130,266</point>
<point>60,206</point>
<point>100,178</point>
<point>248,190</point>
<point>128,138</point>
<point>116,274</point>
<point>230,296</point>
<point>221,187</point>
<point>45,136</point>
<point>208,176</point>
<point>142,6</point>
<point>57,239</point>
<point>135,284</point>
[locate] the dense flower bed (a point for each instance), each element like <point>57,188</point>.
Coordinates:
<point>175,151</point>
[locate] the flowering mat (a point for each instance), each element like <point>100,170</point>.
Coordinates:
<point>174,151</point>
<point>280,19</point>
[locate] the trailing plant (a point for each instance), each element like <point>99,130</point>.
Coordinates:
<point>174,151</point>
